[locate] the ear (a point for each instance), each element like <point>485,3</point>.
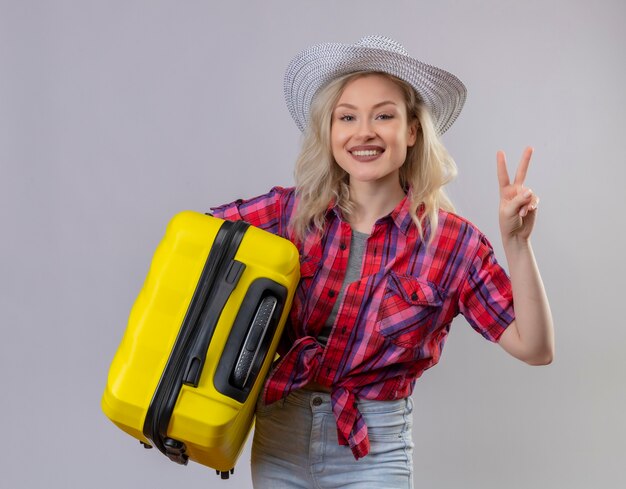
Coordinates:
<point>412,132</point>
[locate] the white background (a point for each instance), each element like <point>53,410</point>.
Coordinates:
<point>115,115</point>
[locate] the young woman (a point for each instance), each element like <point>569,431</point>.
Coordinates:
<point>385,265</point>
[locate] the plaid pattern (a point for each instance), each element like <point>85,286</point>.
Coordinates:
<point>393,322</point>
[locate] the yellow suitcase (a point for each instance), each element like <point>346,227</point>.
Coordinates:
<point>201,337</point>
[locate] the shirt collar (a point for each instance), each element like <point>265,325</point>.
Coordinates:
<point>400,216</point>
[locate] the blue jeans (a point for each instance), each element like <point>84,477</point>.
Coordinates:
<point>295,445</point>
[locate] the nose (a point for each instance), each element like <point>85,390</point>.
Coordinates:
<point>365,130</point>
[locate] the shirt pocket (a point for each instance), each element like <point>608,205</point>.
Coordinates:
<point>409,310</point>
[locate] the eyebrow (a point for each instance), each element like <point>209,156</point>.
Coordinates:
<point>379,104</point>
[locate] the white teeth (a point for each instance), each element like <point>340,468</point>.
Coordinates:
<point>369,152</point>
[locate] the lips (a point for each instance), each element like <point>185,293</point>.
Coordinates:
<point>366,153</point>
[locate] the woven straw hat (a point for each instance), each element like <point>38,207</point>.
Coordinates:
<point>442,92</point>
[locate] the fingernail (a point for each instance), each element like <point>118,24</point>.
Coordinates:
<point>534,205</point>
<point>527,193</point>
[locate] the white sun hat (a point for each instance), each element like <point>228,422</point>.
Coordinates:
<point>442,92</point>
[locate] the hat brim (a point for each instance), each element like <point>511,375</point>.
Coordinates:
<point>441,92</point>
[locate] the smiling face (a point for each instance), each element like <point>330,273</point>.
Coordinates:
<point>370,130</point>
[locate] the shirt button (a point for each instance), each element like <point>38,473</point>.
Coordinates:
<point>414,296</point>
<point>331,293</point>
<point>343,330</point>
<point>317,401</point>
<point>342,246</point>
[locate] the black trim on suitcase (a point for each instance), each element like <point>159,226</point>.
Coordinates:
<point>218,279</point>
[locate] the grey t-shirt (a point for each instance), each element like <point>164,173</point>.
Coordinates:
<point>353,273</point>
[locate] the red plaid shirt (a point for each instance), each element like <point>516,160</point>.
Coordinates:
<point>392,323</point>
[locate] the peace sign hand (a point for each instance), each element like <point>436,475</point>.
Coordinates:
<point>518,204</point>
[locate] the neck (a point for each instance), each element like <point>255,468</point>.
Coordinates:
<point>373,202</point>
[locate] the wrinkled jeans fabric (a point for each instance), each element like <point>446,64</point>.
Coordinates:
<point>295,445</point>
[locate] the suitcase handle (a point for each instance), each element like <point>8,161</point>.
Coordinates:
<point>253,343</point>
<point>175,451</point>
<point>254,328</point>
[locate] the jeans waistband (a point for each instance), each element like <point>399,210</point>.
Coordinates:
<point>321,401</point>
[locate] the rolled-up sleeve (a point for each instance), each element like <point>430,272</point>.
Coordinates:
<point>269,211</point>
<point>486,297</point>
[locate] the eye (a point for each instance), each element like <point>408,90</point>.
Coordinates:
<point>384,117</point>
<point>346,117</point>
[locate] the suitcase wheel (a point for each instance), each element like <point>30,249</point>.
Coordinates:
<point>224,474</point>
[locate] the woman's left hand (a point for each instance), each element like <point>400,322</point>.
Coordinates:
<point>518,204</point>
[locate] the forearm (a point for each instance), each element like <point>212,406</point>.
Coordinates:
<point>532,310</point>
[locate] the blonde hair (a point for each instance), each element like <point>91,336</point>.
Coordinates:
<point>320,180</point>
